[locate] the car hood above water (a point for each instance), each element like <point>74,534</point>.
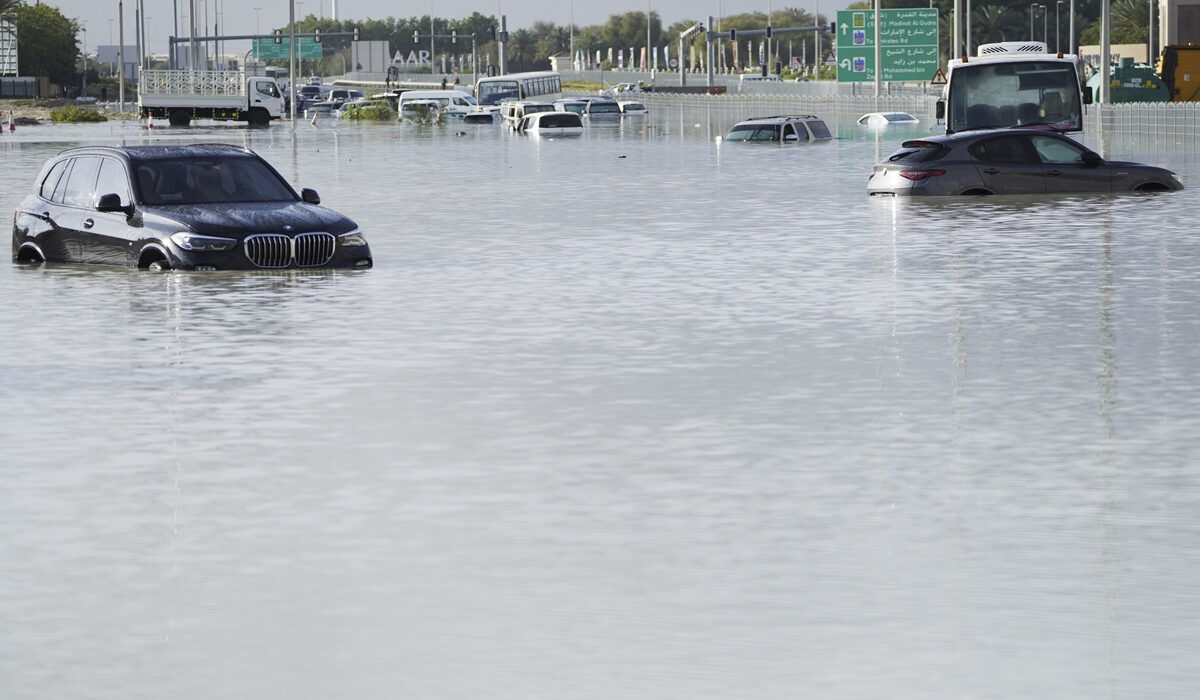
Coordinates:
<point>244,218</point>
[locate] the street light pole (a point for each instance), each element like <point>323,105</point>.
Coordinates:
<point>1032,9</point>
<point>1057,14</point>
<point>1045,22</point>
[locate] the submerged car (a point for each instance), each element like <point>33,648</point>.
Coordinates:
<point>193,207</point>
<point>634,108</point>
<point>887,119</point>
<point>552,123</point>
<point>794,128</point>
<point>1009,161</point>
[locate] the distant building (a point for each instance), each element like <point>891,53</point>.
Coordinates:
<point>560,62</point>
<point>1179,22</point>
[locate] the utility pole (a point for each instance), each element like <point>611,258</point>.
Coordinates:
<point>121,52</point>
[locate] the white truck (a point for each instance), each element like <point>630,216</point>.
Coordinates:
<point>183,95</point>
<point>1014,83</point>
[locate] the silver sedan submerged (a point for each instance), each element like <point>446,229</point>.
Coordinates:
<point>1009,161</point>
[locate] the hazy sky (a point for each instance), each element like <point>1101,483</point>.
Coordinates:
<point>242,18</point>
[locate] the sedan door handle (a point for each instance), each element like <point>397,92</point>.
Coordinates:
<point>1054,173</point>
<point>991,171</point>
<point>88,223</point>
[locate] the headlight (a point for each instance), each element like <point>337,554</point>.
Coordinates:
<point>352,239</point>
<point>192,241</point>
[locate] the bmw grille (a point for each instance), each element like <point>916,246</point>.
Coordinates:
<point>277,250</point>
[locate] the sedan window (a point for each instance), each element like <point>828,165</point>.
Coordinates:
<point>113,180</point>
<point>51,181</point>
<point>1054,150</point>
<point>81,183</point>
<point>1004,149</point>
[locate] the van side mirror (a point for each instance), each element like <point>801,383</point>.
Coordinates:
<point>940,111</point>
<point>310,195</point>
<point>1087,95</point>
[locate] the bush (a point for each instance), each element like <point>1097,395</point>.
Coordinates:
<point>378,112</point>
<point>425,115</point>
<point>75,115</point>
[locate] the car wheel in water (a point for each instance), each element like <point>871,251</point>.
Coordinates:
<point>159,266</point>
<point>179,117</point>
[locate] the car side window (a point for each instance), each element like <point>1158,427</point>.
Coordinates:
<point>52,178</point>
<point>113,180</point>
<point>1004,149</point>
<point>1052,150</point>
<point>81,183</point>
<point>60,190</point>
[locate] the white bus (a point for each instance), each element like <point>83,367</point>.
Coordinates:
<point>539,86</point>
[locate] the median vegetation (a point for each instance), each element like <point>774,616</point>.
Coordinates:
<point>75,115</point>
<point>378,112</point>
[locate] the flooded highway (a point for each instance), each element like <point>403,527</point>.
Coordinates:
<point>637,414</point>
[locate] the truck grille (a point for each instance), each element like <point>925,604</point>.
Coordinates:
<point>276,250</point>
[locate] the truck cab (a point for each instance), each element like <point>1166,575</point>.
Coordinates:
<point>1015,83</point>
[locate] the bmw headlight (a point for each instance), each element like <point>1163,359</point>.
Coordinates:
<point>352,239</point>
<point>192,241</point>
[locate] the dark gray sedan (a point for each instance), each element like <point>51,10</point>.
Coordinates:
<point>1009,161</point>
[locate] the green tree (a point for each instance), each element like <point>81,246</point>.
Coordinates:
<point>46,43</point>
<point>7,6</point>
<point>1128,20</point>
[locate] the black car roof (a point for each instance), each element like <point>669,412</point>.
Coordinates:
<point>195,150</point>
<point>972,134</point>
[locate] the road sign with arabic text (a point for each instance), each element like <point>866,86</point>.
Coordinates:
<point>908,45</point>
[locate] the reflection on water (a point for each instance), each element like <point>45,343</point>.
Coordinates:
<point>635,414</point>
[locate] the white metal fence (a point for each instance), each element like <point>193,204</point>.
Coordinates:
<point>1153,123</point>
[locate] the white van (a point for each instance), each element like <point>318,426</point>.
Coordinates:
<point>514,112</point>
<point>452,103</point>
<point>552,123</point>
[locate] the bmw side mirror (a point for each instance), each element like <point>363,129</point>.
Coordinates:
<point>112,202</point>
<point>1091,159</point>
<point>940,112</point>
<point>310,195</point>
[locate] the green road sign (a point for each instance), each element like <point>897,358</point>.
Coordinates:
<point>267,48</point>
<point>908,41</point>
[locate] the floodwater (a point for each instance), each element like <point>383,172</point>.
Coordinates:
<point>633,415</point>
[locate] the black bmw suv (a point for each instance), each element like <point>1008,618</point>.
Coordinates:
<point>186,207</point>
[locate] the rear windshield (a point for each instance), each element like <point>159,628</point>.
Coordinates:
<point>207,180</point>
<point>918,152</point>
<point>560,120</point>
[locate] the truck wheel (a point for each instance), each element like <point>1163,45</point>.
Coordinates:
<point>259,117</point>
<point>179,117</point>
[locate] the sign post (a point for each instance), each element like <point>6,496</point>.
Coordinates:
<point>908,43</point>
